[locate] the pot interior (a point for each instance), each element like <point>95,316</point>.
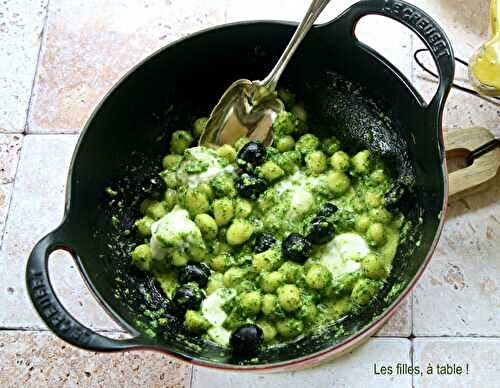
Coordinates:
<point>346,91</point>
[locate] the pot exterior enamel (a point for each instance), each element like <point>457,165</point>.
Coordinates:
<point>131,126</point>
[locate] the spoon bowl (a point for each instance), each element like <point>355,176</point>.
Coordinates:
<point>248,109</point>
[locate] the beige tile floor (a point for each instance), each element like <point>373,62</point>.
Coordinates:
<point>58,58</point>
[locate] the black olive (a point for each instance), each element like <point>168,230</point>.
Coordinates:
<point>187,297</point>
<point>393,195</point>
<point>154,187</point>
<point>251,155</point>
<point>296,248</point>
<point>198,273</point>
<point>263,242</point>
<point>327,209</point>
<point>320,231</point>
<point>250,186</point>
<point>246,340</point>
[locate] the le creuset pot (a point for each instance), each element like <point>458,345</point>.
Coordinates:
<point>348,89</point>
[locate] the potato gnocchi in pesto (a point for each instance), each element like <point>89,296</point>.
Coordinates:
<point>258,245</point>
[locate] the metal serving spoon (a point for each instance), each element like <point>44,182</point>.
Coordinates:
<point>248,108</point>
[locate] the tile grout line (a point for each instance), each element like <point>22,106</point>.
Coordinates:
<point>76,132</point>
<point>42,37</point>
<point>192,377</point>
<point>412,79</point>
<point>24,131</point>
<point>411,312</point>
<point>411,338</point>
<point>225,11</point>
<point>412,296</point>
<point>412,358</point>
<point>13,186</point>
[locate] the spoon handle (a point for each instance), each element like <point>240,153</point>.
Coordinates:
<point>315,9</point>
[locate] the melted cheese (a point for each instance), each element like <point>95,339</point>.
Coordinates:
<point>298,188</point>
<point>342,255</point>
<point>351,246</point>
<point>212,311</point>
<point>174,230</point>
<point>205,156</point>
<point>301,201</point>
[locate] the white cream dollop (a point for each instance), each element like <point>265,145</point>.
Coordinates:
<point>203,155</point>
<point>212,311</point>
<point>342,255</point>
<point>174,231</point>
<point>299,189</point>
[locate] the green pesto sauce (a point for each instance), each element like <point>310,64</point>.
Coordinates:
<point>202,218</point>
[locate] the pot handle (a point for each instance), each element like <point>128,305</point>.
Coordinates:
<point>429,32</point>
<point>50,309</point>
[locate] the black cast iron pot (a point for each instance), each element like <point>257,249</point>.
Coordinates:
<point>348,89</point>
